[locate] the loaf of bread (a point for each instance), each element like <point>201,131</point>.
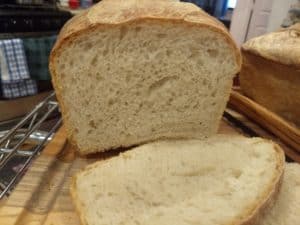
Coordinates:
<point>286,210</point>
<point>220,180</point>
<point>128,72</point>
<point>270,73</point>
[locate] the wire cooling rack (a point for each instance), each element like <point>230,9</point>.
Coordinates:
<point>25,141</point>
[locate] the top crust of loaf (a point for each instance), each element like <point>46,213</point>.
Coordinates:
<point>115,12</point>
<point>280,46</point>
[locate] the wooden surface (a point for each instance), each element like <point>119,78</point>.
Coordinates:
<point>286,131</point>
<point>42,197</point>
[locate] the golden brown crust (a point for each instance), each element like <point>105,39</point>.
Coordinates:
<point>270,194</point>
<point>272,80</point>
<point>109,13</point>
<point>255,212</point>
<point>280,46</point>
<point>113,13</point>
<point>76,201</point>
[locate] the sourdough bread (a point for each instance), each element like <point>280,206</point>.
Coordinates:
<point>286,210</point>
<point>130,72</point>
<point>270,73</point>
<point>222,180</point>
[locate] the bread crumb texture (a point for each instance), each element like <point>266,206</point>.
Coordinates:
<point>142,81</point>
<point>222,180</point>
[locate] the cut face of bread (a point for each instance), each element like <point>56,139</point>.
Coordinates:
<point>146,79</point>
<point>286,210</point>
<point>222,180</point>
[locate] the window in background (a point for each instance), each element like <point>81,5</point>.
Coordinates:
<point>207,5</point>
<point>231,4</point>
<point>221,9</point>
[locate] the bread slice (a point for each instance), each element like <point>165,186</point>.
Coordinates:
<point>129,72</point>
<point>223,180</point>
<point>286,210</point>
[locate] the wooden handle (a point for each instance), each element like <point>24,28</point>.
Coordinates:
<point>267,119</point>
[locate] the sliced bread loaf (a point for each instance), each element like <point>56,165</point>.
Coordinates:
<point>286,210</point>
<point>223,180</point>
<point>129,72</point>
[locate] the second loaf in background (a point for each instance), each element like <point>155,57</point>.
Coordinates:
<point>129,72</point>
<point>270,73</point>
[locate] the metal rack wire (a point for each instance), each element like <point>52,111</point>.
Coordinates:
<point>26,132</point>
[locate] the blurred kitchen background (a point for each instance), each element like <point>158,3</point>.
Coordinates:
<point>28,30</point>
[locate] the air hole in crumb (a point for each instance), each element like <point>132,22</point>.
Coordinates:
<point>163,83</point>
<point>92,124</point>
<point>204,82</point>
<point>62,66</point>
<point>98,195</point>
<point>76,130</point>
<point>105,52</point>
<point>94,60</point>
<point>81,58</point>
<point>236,173</point>
<point>99,77</point>
<point>127,78</point>
<point>111,102</point>
<point>168,52</point>
<point>86,103</point>
<point>138,29</point>
<point>87,46</point>
<point>89,131</point>
<point>255,154</point>
<point>214,93</point>
<point>193,53</point>
<point>161,35</point>
<point>212,52</point>
<point>200,62</point>
<point>123,32</point>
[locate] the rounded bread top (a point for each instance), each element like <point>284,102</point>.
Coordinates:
<point>282,46</point>
<point>116,12</point>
